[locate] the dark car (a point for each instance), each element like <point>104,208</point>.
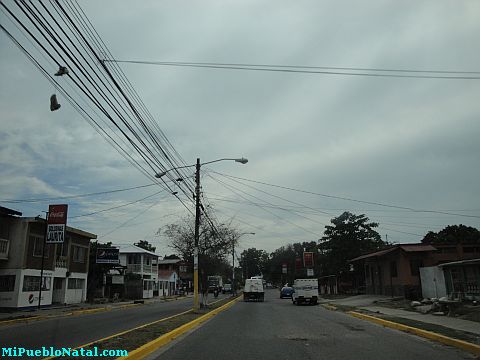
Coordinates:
<point>286,292</point>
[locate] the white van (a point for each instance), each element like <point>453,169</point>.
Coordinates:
<point>305,290</point>
<point>253,290</point>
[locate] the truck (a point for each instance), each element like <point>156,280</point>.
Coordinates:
<point>215,282</point>
<point>253,290</point>
<point>305,290</point>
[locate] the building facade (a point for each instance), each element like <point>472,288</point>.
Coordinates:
<point>65,265</point>
<point>141,274</point>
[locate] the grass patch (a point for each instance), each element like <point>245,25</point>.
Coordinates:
<point>136,338</point>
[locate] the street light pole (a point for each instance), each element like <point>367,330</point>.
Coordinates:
<point>242,160</point>
<point>197,230</point>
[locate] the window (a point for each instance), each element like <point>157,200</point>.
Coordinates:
<point>147,285</point>
<point>32,283</point>
<point>7,283</point>
<point>79,253</point>
<point>415,265</point>
<point>62,249</point>
<point>393,269</point>
<point>38,246</point>
<point>76,283</point>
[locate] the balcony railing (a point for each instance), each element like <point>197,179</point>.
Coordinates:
<point>134,268</point>
<point>4,245</point>
<point>61,262</point>
<point>137,268</point>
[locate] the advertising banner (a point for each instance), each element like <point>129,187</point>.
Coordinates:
<point>308,259</point>
<point>56,223</point>
<point>284,268</point>
<point>108,256</point>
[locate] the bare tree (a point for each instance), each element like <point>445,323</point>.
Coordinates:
<point>214,245</point>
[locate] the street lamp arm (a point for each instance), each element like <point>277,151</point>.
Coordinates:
<point>163,173</point>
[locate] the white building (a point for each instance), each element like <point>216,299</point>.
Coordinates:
<point>142,264</point>
<point>65,265</point>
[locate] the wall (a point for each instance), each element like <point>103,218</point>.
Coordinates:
<point>433,282</point>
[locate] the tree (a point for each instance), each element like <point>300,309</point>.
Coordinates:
<point>253,262</point>
<point>350,236</point>
<point>144,244</point>
<point>453,234</point>
<point>214,246</point>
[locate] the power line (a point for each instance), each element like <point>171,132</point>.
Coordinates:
<point>348,199</point>
<point>298,69</point>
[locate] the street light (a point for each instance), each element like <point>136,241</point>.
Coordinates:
<point>197,216</point>
<point>233,259</point>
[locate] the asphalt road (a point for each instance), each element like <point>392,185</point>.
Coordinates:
<point>277,329</point>
<point>72,331</point>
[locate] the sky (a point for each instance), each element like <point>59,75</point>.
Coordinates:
<point>403,142</point>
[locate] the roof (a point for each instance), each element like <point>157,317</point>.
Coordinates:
<point>462,262</point>
<point>68,228</point>
<point>7,211</point>
<point>133,249</point>
<point>169,261</point>
<point>404,247</point>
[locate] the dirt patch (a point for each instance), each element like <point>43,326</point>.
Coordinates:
<point>136,338</point>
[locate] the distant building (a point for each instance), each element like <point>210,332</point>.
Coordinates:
<point>65,265</point>
<point>174,274</point>
<point>141,274</point>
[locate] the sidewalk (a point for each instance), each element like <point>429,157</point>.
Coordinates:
<point>446,321</point>
<point>369,303</point>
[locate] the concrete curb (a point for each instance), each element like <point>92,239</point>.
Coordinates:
<point>473,348</point>
<point>145,350</point>
<point>71,313</point>
<point>329,307</point>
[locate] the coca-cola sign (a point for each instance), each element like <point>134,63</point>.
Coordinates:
<point>56,222</point>
<point>57,214</point>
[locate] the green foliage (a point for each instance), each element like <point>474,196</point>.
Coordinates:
<point>350,236</point>
<point>253,262</point>
<point>453,234</point>
<point>144,244</point>
<point>96,271</point>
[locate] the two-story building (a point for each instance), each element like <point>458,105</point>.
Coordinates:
<point>141,274</point>
<point>65,265</point>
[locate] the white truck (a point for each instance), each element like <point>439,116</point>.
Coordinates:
<point>253,290</point>
<point>305,290</point>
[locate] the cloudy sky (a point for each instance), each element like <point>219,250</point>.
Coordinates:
<point>405,142</point>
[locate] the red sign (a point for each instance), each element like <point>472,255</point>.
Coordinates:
<point>308,259</point>
<point>57,220</point>
<point>57,214</point>
<point>298,263</point>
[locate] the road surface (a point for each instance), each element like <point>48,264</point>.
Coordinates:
<point>73,331</point>
<point>277,329</point>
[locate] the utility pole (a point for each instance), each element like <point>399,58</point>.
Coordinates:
<point>233,266</point>
<point>43,261</point>
<point>197,234</point>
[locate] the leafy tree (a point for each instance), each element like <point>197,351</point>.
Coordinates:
<point>287,255</point>
<point>253,262</point>
<point>453,234</point>
<point>349,236</point>
<point>144,244</point>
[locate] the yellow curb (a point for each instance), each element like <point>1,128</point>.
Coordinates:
<point>13,321</point>
<point>124,332</point>
<point>329,307</point>
<point>161,341</point>
<point>473,348</point>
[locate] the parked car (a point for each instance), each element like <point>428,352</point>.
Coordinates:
<point>286,292</point>
<point>227,288</point>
